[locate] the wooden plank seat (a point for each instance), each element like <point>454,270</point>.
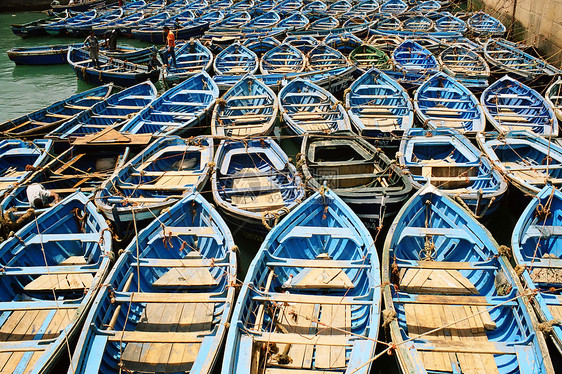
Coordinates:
<point>308,299</point>
<point>320,263</point>
<point>38,305</point>
<point>481,347</point>
<point>182,103</point>
<point>58,115</point>
<point>485,265</point>
<point>175,114</point>
<point>253,97</point>
<point>540,231</point>
<point>154,337</point>
<point>53,269</point>
<point>158,297</point>
<point>45,238</point>
<point>309,231</point>
<point>429,231</point>
<point>25,345</point>
<point>454,300</point>
<point>283,338</point>
<point>181,263</point>
<point>128,107</point>
<point>208,232</point>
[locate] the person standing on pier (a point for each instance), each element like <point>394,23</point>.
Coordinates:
<point>94,47</point>
<point>170,40</point>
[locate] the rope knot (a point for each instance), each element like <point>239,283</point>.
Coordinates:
<point>504,250</point>
<point>548,326</point>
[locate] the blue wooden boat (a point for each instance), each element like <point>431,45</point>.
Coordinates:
<point>192,57</point>
<point>234,21</point>
<point>536,249</point>
<point>465,65</point>
<point>364,8</point>
<point>303,43</point>
<point>553,96</point>
<point>170,291</point>
<point>119,72</point>
<point>59,28</point>
<point>366,56</point>
<point>37,27</point>
<point>120,23</point>
<point>53,267</point>
<point>509,59</point>
<point>337,317</point>
<point>236,59</point>
<point>84,28</point>
<point>458,305</point>
<point>441,101</point>
<point>316,6</point>
<point>19,159</point>
<point>306,107</point>
<point>450,23</point>
<point>41,55</point>
<point>393,7</point>
<point>255,184</point>
<point>269,19</point>
<point>324,24</point>
<point>288,6</point>
<point>418,24</point>
<point>260,45</point>
<point>378,104</point>
<point>384,42</point>
<point>338,8</point>
<point>323,57</point>
<point>333,80</point>
<point>154,34</point>
<point>221,4</point>
<point>412,57</point>
<point>155,179</point>
<point>283,59</point>
<point>426,7</point>
<point>178,110</point>
<point>265,6</point>
<point>483,24</point>
<point>242,5</point>
<point>131,54</point>
<point>127,29</point>
<point>448,160</point>
<point>110,113</point>
<point>296,21</point>
<point>344,42</point>
<point>77,8</point>
<point>40,122</point>
<point>511,105</point>
<point>248,109</point>
<point>358,172</point>
<point>388,23</point>
<point>528,161</point>
<point>85,165</point>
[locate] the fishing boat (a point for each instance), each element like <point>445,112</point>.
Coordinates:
<point>323,57</point>
<point>77,7</point>
<point>441,101</point>
<point>338,8</point>
<point>303,43</point>
<point>365,8</point>
<point>166,304</point>
<point>234,21</point>
<point>553,97</point>
<point>296,21</point>
<point>37,27</point>
<point>260,45</point>
<point>457,304</point>
<point>326,23</point>
<point>255,184</point>
<point>53,267</point>
<point>366,57</point>
<point>118,72</point>
<point>393,7</point>
<point>84,28</point>
<point>269,19</point>
<point>316,6</point>
<point>483,24</point>
<point>306,107</point>
<point>130,54</point>
<point>285,7</point>
<point>41,55</point>
<point>418,24</point>
<point>110,113</point>
<point>388,23</point>
<point>85,165</point>
<point>155,179</point>
<point>127,28</point>
<point>448,160</point>
<point>59,28</point>
<point>40,122</point>
<point>426,7</point>
<point>242,5</point>
<point>236,59</point>
<point>154,34</point>
<point>123,22</point>
<point>318,308</point>
<point>283,59</point>
<point>386,43</point>
<point>264,6</point>
<point>377,104</point>
<point>536,249</point>
<point>191,58</point>
<point>178,110</point>
<point>450,23</point>
<point>465,65</point>
<point>359,173</point>
<point>409,56</point>
<point>528,161</point>
<point>511,105</point>
<point>248,109</point>
<point>19,159</point>
<point>511,60</point>
<point>344,42</point>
